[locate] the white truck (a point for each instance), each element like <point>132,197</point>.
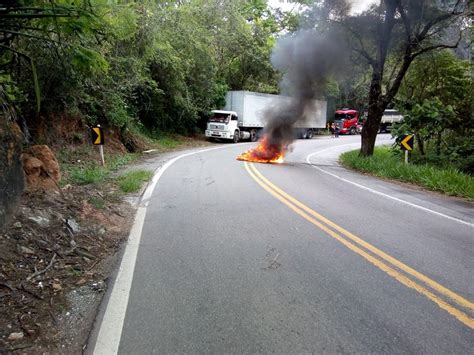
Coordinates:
<point>388,119</point>
<point>243,117</point>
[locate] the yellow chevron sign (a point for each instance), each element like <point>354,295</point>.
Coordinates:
<point>97,136</point>
<point>407,142</point>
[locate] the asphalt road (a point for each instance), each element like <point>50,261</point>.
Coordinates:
<point>300,257</point>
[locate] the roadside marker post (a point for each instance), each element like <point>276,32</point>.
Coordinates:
<point>406,143</point>
<point>98,139</point>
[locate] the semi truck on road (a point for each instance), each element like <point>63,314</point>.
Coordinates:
<point>349,122</point>
<point>242,118</point>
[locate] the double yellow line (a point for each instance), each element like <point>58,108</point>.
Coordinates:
<point>393,267</point>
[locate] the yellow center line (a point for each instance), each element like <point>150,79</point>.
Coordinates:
<point>431,283</point>
<point>308,214</point>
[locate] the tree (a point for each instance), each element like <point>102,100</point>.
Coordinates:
<point>163,65</point>
<point>427,120</point>
<point>399,30</point>
<point>438,74</point>
<point>26,20</point>
<point>436,98</point>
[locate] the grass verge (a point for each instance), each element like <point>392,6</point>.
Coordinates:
<point>161,140</point>
<point>80,164</point>
<point>132,181</point>
<point>168,142</point>
<point>385,164</point>
<point>84,173</point>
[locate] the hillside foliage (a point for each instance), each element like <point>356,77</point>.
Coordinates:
<point>161,66</point>
<point>153,65</point>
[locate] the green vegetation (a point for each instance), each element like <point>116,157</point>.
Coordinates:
<point>97,202</point>
<point>136,66</point>
<point>115,162</point>
<point>91,174</point>
<point>132,181</point>
<point>161,66</point>
<point>168,142</point>
<point>387,163</point>
<point>73,271</point>
<point>437,99</point>
<point>162,140</point>
<point>84,172</point>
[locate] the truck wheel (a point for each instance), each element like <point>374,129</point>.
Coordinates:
<point>309,134</point>
<point>352,131</point>
<point>253,135</point>
<point>236,136</point>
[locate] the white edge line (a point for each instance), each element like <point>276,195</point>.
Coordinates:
<point>381,193</point>
<point>110,331</point>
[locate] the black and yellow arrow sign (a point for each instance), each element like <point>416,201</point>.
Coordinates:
<point>407,142</point>
<point>97,136</point>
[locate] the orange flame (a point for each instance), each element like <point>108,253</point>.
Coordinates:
<point>264,152</point>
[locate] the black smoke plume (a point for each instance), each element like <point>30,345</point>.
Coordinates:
<point>307,59</point>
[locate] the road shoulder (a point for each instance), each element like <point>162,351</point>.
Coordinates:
<point>456,209</point>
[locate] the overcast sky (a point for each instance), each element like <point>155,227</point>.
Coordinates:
<point>357,5</point>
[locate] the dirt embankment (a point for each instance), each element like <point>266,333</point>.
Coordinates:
<point>56,255</point>
<point>55,259</point>
<point>58,251</point>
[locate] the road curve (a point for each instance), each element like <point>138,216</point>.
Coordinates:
<point>300,257</point>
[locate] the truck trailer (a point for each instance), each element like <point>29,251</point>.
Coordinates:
<point>388,119</point>
<point>242,118</point>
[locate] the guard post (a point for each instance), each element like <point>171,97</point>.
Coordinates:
<point>98,139</point>
<point>406,143</point>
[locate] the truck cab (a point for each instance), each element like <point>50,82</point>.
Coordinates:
<point>223,125</point>
<point>347,121</point>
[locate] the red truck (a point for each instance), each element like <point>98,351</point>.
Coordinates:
<point>347,120</point>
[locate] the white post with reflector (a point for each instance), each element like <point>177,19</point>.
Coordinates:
<point>98,139</point>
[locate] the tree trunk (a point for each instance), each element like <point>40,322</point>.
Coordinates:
<point>369,132</point>
<point>377,101</point>
<point>11,170</point>
<point>374,115</point>
<point>414,34</point>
